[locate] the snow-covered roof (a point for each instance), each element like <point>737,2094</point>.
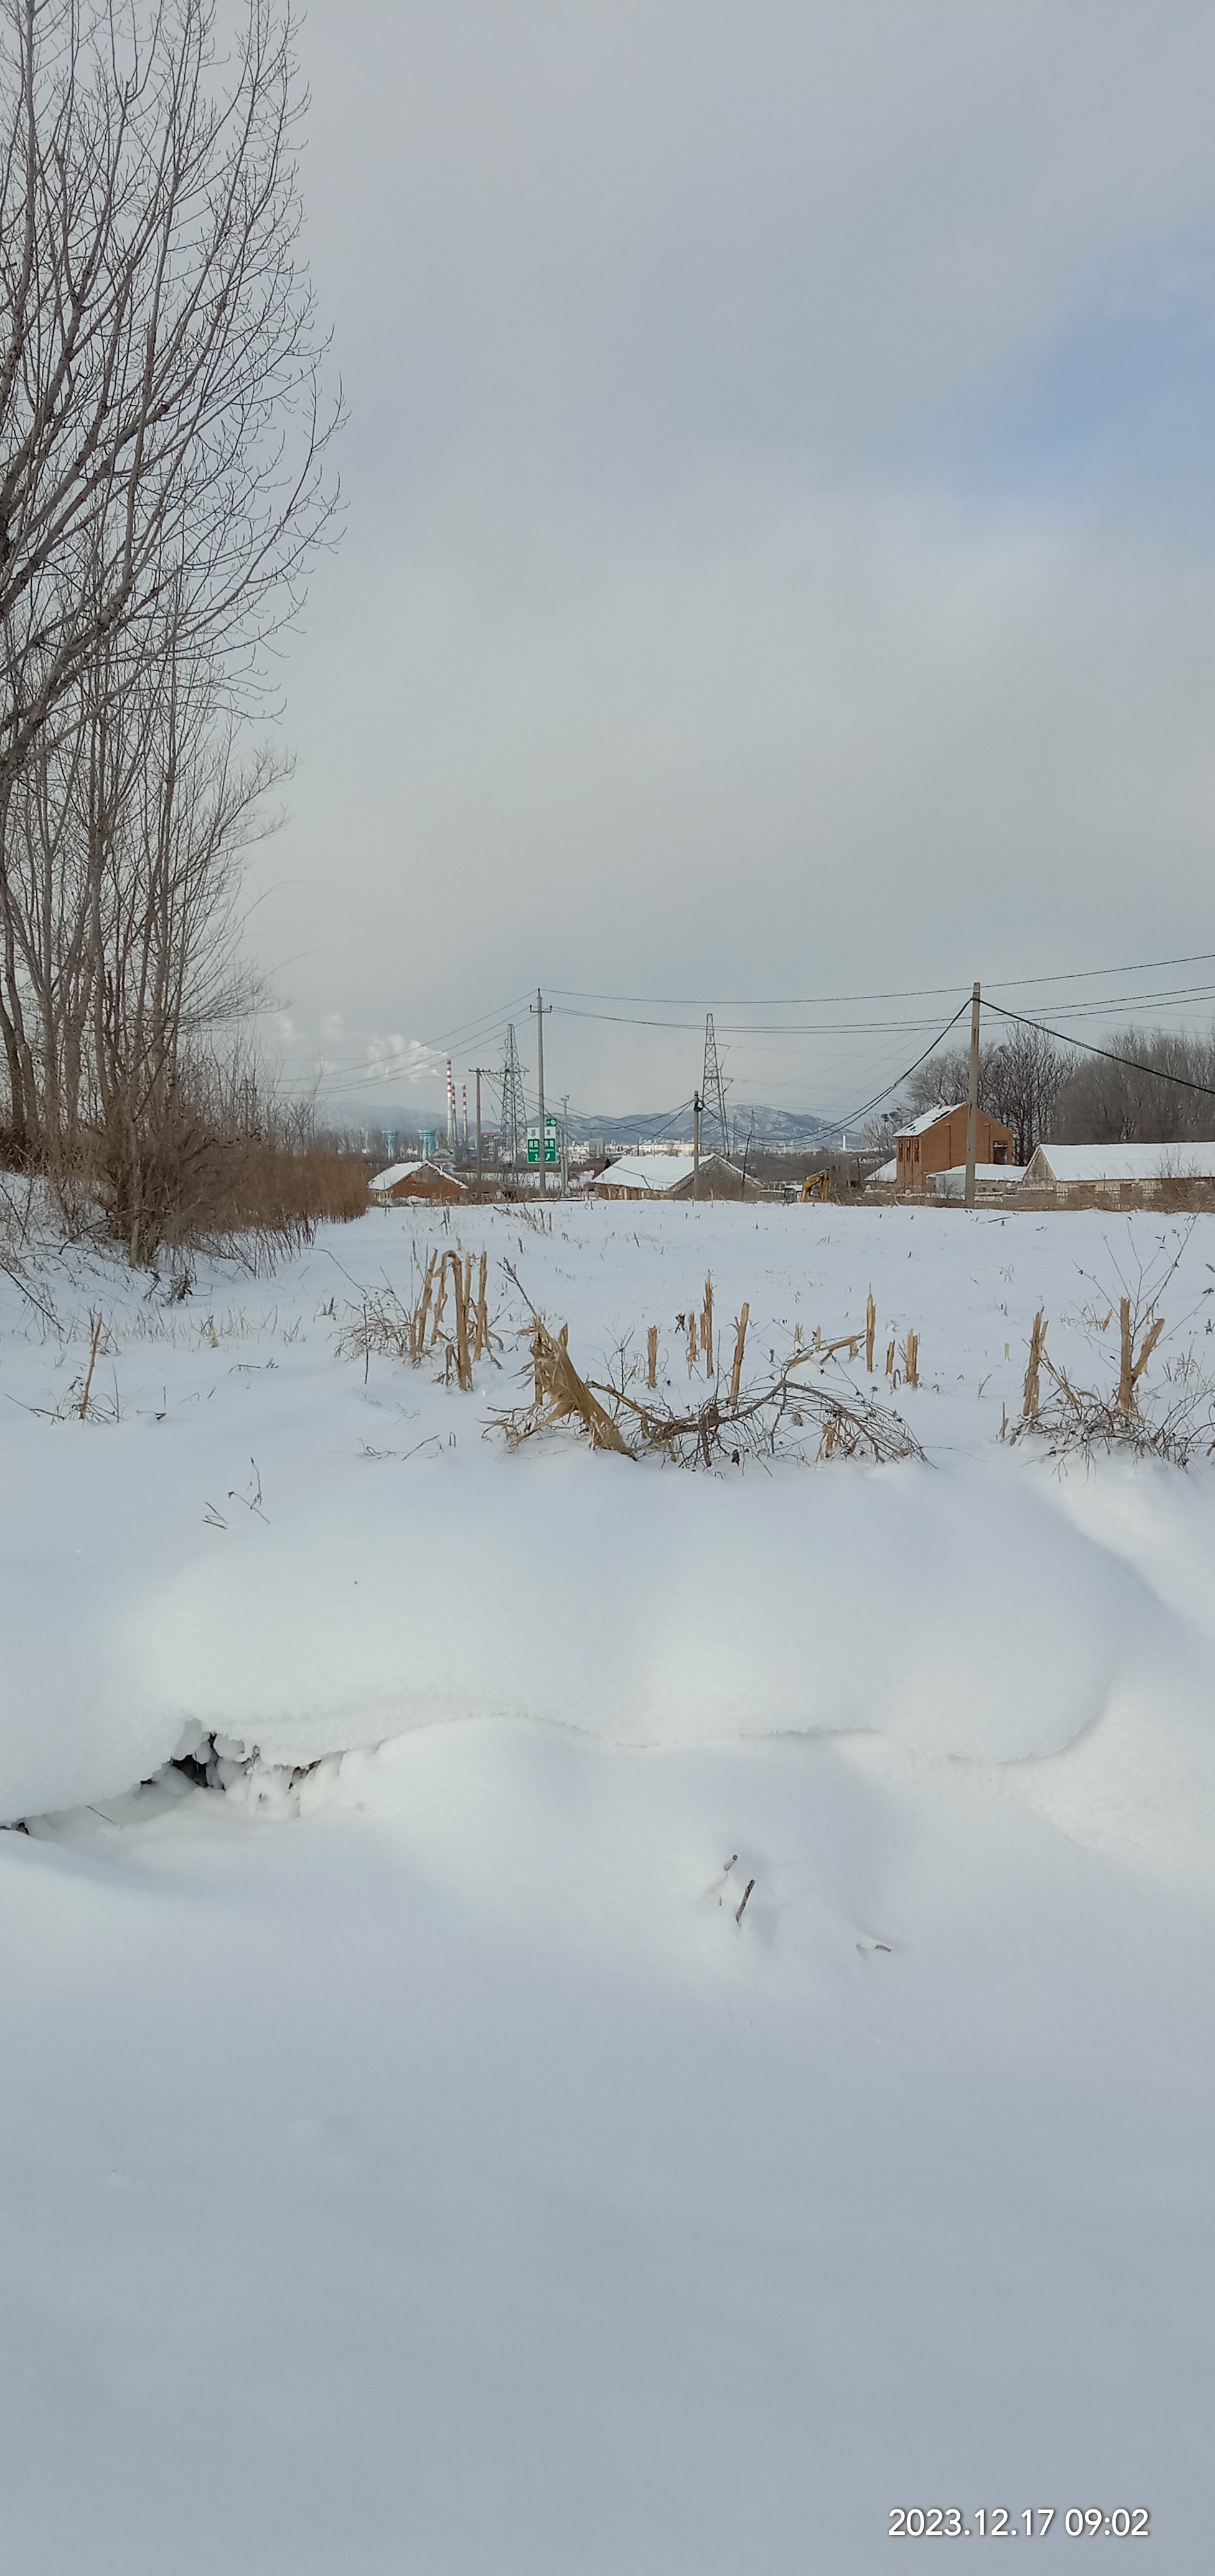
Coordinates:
<point>950,1185</point>
<point>656,1172</point>
<point>398,1172</point>
<point>1192,1162</point>
<point>885,1172</point>
<point>932,1118</point>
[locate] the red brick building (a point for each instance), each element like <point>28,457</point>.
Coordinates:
<point>937,1143</point>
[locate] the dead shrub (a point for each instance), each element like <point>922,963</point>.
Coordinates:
<point>209,1159</point>
<point>765,1422</point>
<point>253,1185</point>
<point>1083,1419</point>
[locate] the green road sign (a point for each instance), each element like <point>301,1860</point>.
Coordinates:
<point>552,1150</point>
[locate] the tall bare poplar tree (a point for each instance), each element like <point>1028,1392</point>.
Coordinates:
<point>162,490</point>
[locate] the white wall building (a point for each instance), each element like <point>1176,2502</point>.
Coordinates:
<point>1117,1175</point>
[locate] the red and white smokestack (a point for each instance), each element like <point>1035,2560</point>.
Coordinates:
<point>451,1108</point>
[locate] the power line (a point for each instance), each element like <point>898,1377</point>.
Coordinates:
<point>912,993</point>
<point>1181,1080</point>
<point>350,1076</point>
<point>863,1112</point>
<point>467,1029</point>
<point>743,1029</point>
<point>358,1074</point>
<point>467,1033</point>
<point>664,1123</point>
<point>1089,1007</point>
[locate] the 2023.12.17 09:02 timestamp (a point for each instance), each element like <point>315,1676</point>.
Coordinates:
<point>995,2522</point>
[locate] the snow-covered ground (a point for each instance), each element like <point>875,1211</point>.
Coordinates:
<point>414,2164</point>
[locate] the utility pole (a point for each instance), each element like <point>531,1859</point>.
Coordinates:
<point>697,1105</point>
<point>479,1069</point>
<point>972,1113</point>
<point>541,1009</point>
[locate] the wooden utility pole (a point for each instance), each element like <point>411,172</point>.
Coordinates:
<point>697,1105</point>
<point>972,1113</point>
<point>540,1009</point>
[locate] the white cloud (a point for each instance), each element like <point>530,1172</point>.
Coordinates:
<point>715,612</point>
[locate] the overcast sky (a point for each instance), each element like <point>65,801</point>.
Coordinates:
<point>780,534</point>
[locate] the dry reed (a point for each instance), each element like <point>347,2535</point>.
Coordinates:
<point>389,1326</point>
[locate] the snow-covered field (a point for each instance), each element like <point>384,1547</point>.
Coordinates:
<point>415,2165</point>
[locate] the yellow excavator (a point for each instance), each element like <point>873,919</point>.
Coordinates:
<point>817,1185</point>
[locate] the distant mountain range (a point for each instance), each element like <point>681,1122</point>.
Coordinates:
<point>788,1130</point>
<point>793,1127</point>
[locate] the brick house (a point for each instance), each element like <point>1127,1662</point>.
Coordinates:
<point>937,1143</point>
<point>415,1181</point>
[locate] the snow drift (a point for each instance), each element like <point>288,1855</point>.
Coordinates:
<point>954,1612</point>
<point>975,1609</point>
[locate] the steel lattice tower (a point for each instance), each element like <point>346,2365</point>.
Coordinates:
<point>712,1088</point>
<point>514,1111</point>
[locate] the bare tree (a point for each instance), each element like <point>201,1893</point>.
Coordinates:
<point>124,906</point>
<point>166,972</point>
<point>1024,1071</point>
<point>1103,1102</point>
<point>159,388</point>
<point>1019,1079</point>
<point>46,913</point>
<point>943,1081</point>
<point>161,430</point>
<point>880,1132</point>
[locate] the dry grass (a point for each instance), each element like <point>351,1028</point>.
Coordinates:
<point>221,1161</point>
<point>559,1394</point>
<point>1083,1419</point>
<point>562,1396</point>
<point>448,1313</point>
<point>1079,1420</point>
<point>731,1425</point>
<point>257,1187</point>
<point>276,1188</point>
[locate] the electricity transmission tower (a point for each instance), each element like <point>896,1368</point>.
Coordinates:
<point>712,1088</point>
<point>514,1112</point>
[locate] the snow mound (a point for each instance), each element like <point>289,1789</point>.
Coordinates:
<point>957,1613</point>
<point>656,1608</point>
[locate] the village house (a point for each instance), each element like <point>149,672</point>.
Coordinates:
<point>1120,1175</point>
<point>674,1176</point>
<point>937,1143</point>
<point>415,1181</point>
